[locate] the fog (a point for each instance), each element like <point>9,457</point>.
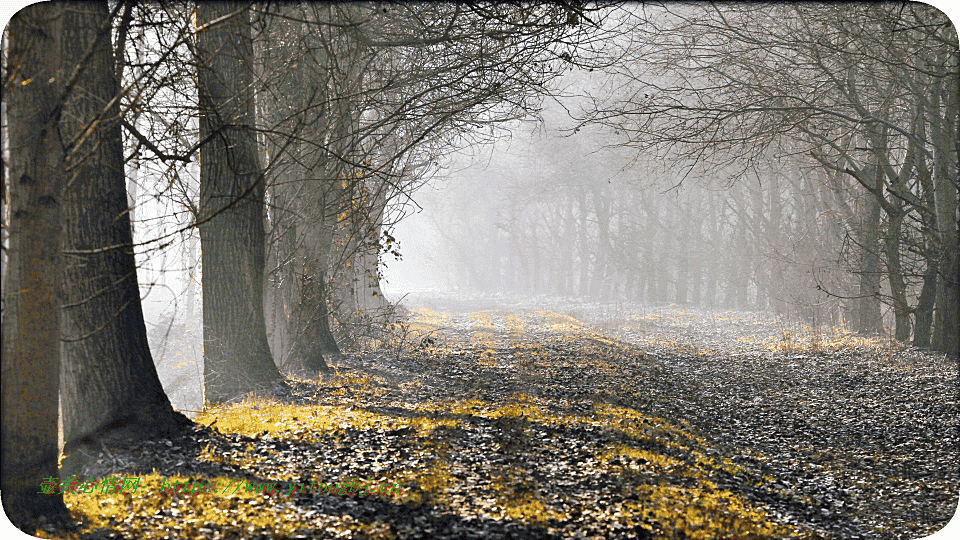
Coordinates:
<point>641,182</point>
<point>549,208</point>
<point>561,269</point>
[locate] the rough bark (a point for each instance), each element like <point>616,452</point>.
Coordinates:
<point>237,357</point>
<point>309,322</point>
<point>109,385</point>
<point>869,269</point>
<point>923,329</point>
<point>31,331</point>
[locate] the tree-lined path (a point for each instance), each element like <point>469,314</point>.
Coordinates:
<point>700,261</point>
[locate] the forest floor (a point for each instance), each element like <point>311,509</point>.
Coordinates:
<point>559,420</point>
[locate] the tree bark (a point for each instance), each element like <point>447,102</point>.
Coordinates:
<point>898,288</point>
<point>31,330</point>
<point>310,319</point>
<point>109,384</point>
<point>237,356</point>
<point>869,239</point>
<point>944,132</point>
<point>923,328</point>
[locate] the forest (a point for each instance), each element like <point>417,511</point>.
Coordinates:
<point>480,270</point>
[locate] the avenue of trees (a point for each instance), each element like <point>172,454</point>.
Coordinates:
<point>795,158</point>
<point>801,159</point>
<point>280,132</point>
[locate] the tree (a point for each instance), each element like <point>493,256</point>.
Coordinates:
<point>109,384</point>
<point>237,356</point>
<point>35,75</point>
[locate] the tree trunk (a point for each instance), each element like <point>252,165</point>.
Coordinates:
<point>310,321</point>
<point>926,301</point>
<point>108,379</point>
<point>946,338</point>
<point>944,132</point>
<point>371,296</point>
<point>601,209</point>
<point>898,288</point>
<point>567,240</point>
<point>31,330</point>
<point>236,356</point>
<point>772,233</point>
<point>683,256</point>
<point>584,245</point>
<point>869,301</point>
<point>712,256</point>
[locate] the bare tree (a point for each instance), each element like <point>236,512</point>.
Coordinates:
<point>380,91</point>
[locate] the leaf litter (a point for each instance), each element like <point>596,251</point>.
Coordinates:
<point>561,420</point>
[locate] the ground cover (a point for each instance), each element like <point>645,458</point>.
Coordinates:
<point>554,420</point>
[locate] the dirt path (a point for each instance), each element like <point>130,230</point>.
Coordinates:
<point>560,421</point>
<point>860,436</point>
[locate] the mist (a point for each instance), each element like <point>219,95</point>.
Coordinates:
<point>544,270</point>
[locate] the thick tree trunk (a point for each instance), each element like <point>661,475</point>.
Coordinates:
<point>925,303</point>
<point>946,338</point>
<point>108,379</point>
<point>237,356</point>
<point>301,235</point>
<point>370,298</point>
<point>301,320</point>
<point>31,330</point>
<point>923,326</point>
<point>310,319</point>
